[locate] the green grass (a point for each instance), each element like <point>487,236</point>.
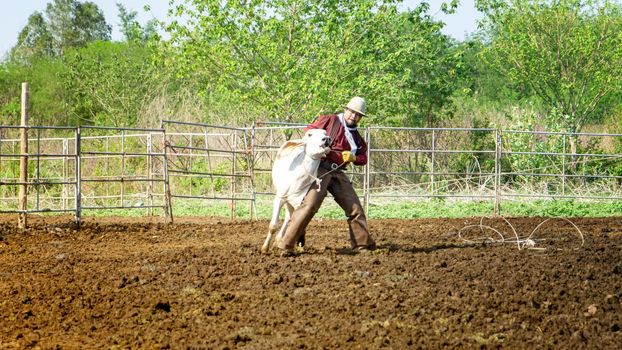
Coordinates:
<point>458,209</point>
<point>424,208</point>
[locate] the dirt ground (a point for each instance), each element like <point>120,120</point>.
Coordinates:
<point>202,283</point>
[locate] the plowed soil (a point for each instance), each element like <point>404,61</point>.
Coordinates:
<point>202,283</point>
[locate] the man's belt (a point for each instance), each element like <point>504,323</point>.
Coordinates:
<point>331,166</point>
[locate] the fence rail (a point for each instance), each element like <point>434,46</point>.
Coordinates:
<point>109,168</point>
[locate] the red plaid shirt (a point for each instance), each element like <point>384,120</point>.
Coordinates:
<point>340,143</point>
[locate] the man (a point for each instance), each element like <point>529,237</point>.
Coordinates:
<point>348,147</point>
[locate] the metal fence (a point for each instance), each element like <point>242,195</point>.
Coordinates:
<point>430,163</point>
<point>564,165</point>
<point>189,164</point>
<point>209,163</point>
<point>121,168</point>
<point>52,182</point>
<point>490,164</point>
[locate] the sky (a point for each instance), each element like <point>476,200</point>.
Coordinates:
<point>14,16</point>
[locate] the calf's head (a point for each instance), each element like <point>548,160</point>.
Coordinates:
<point>317,143</point>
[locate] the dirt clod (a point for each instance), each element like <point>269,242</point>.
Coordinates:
<point>166,307</point>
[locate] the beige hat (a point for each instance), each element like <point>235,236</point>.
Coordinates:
<point>357,104</point>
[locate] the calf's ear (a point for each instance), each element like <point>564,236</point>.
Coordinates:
<point>288,147</point>
<point>291,144</point>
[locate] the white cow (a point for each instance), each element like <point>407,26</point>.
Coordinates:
<point>293,172</point>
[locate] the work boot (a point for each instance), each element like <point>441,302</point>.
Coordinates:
<point>301,240</point>
<point>286,253</point>
<point>364,249</point>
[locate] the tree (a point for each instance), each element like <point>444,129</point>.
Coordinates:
<point>35,38</point>
<point>38,58</point>
<point>89,24</point>
<point>568,52</point>
<point>108,83</point>
<point>9,96</point>
<point>47,97</point>
<point>429,69</point>
<point>66,24</point>
<point>132,29</point>
<point>292,59</point>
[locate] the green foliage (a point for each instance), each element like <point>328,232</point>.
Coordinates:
<point>66,24</point>
<point>562,208</point>
<point>47,105</point>
<point>205,185</point>
<point>76,75</point>
<point>132,30</point>
<point>108,83</point>
<point>35,40</point>
<point>418,209</point>
<point>567,52</point>
<point>238,61</point>
<point>290,60</point>
<point>38,58</point>
<point>529,142</point>
<point>9,97</point>
<point>427,67</point>
<point>484,94</point>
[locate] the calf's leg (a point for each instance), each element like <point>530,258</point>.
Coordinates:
<point>288,215</point>
<point>276,208</point>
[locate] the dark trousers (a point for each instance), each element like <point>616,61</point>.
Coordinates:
<point>338,184</point>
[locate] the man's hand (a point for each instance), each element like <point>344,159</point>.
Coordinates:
<point>348,157</point>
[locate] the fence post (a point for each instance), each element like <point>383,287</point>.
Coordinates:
<point>233,170</point>
<point>122,168</point>
<point>107,150</point>
<point>1,149</point>
<point>150,173</point>
<point>65,193</point>
<point>168,210</point>
<point>190,162</point>
<point>433,162</point>
<point>250,155</point>
<point>498,145</point>
<point>38,170</point>
<point>367,170</point>
<point>23,160</point>
<point>78,176</point>
<point>564,166</point>
<point>209,161</point>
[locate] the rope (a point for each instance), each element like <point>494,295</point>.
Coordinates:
<point>521,242</point>
<point>318,179</point>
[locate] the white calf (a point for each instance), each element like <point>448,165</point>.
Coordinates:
<point>293,172</point>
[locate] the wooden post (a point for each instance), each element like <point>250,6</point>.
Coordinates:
<point>23,160</point>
